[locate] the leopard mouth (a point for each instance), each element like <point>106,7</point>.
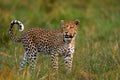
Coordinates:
<point>68,38</point>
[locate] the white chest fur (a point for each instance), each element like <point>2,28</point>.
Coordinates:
<point>71,48</point>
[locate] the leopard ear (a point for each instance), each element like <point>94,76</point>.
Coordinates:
<point>77,22</point>
<point>62,22</point>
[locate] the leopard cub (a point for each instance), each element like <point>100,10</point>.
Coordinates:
<point>51,42</point>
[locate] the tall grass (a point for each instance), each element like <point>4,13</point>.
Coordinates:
<point>97,52</point>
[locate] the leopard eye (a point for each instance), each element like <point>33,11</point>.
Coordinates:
<point>71,26</point>
<point>66,26</point>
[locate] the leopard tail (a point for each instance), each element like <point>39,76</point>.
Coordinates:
<point>20,28</point>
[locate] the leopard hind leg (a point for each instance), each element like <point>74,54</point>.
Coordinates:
<point>29,58</point>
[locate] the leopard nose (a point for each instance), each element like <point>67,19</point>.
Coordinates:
<point>66,32</point>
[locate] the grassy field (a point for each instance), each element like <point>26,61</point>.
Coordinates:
<point>97,53</point>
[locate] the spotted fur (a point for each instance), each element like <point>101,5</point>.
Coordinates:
<point>60,42</point>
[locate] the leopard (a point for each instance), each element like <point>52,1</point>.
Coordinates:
<point>58,42</point>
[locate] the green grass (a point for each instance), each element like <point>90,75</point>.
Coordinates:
<point>97,52</point>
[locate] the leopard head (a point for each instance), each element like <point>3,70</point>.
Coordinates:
<point>69,30</point>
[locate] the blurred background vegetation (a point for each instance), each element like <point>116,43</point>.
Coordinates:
<point>97,53</point>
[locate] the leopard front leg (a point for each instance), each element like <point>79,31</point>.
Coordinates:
<point>68,58</point>
<point>54,59</point>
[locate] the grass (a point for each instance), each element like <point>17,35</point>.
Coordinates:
<point>97,53</point>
